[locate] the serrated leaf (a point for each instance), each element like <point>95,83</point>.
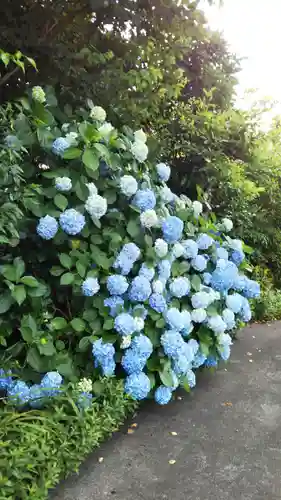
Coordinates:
<point>78,324</point>
<point>67,279</point>
<point>60,201</point>
<point>19,294</point>
<point>90,159</point>
<point>58,323</point>
<point>72,153</point>
<point>29,281</point>
<point>65,260</point>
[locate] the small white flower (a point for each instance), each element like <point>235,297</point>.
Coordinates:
<point>227,224</point>
<point>42,166</point>
<point>63,183</point>
<point>163,171</point>
<point>198,315</point>
<point>98,113</point>
<point>92,188</point>
<point>180,204</point>
<point>236,245</point>
<point>157,286</point>
<point>126,342</point>
<point>139,324</point>
<point>96,206</point>
<point>149,218</point>
<point>161,248</point>
<point>65,127</point>
<point>197,208</point>
<point>38,94</point>
<point>71,138</point>
<point>139,151</point>
<point>166,195</point>
<point>106,129</point>
<point>140,136</point>
<point>85,385</point>
<point>128,185</point>
<point>178,250</point>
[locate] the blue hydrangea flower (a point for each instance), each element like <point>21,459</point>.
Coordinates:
<point>161,248</point>
<point>222,253</point>
<point>163,395</point>
<point>144,199</point>
<point>140,289</point>
<point>193,345</point>
<point>175,319</point>
<point>147,272</point>
<point>237,257</point>
<point>84,400</point>
<point>191,379</point>
<point>142,345</point>
<point>137,386</point>
<point>60,145</point>
<point>211,362</point>
<point>51,383</point>
<point>207,277</point>
<point>115,304</point>
<point>124,324</point>
<point>140,311</point>
<point>199,360</point>
<point>190,249</point>
<point>181,364</point>
<point>5,379</point>
<point>180,287</point>
<point>251,289</point>
<point>225,276</point>
<point>72,222</point>
<point>172,343</point>
<point>164,269</point>
<point>36,396</point>
<point>229,318</point>
<point>234,302</point>
<point>216,324</point>
<point>90,287</point>
<point>132,362</point>
<point>47,227</point>
<point>245,312</point>
<point>63,184</point>
<point>158,302</point>
<point>103,353</point>
<point>116,284</point>
<point>18,393</point>
<point>163,172</point>
<point>200,300</point>
<point>204,241</point>
<point>172,229</point>
<point>224,351</point>
<point>199,263</point>
<point>126,258</point>
<point>198,315</point>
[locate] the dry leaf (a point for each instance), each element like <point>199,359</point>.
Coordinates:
<point>130,431</point>
<point>172,462</point>
<point>134,425</point>
<point>227,403</point>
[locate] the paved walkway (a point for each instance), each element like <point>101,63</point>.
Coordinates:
<point>228,442</point>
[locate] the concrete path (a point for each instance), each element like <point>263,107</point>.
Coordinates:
<point>228,442</point>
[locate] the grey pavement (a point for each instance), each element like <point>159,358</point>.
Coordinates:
<point>228,442</point>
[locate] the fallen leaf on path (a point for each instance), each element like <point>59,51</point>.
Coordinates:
<point>227,403</point>
<point>134,425</point>
<point>172,462</point>
<point>130,431</point>
<point>101,459</point>
<point>173,433</point>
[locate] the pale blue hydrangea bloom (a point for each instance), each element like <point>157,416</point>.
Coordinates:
<point>47,227</point>
<point>144,199</point>
<point>237,257</point>
<point>204,241</point>
<point>147,272</point>
<point>191,379</point>
<point>177,250</point>
<point>115,304</point>
<point>224,277</point>
<point>137,386</point>
<point>140,289</point>
<point>163,395</point>
<point>251,289</point>
<point>18,393</point>
<point>199,360</point>
<point>60,145</point>
<point>125,260</point>
<point>222,253</point>
<point>163,172</point>
<point>166,195</point>
<point>193,345</point>
<point>229,318</point>
<point>224,351</point>
<point>103,353</point>
<point>172,343</point>
<point>216,324</point>
<point>132,362</point>
<point>124,324</point>
<point>161,248</point>
<point>200,300</point>
<point>198,315</point>
<point>36,396</point>
<point>234,302</point>
<point>158,302</point>
<point>211,362</point>
<point>190,249</point>
<point>72,222</point>
<point>175,319</point>
<point>90,287</point>
<point>207,277</point>
<point>199,263</point>
<point>172,228</point>
<point>96,206</point>
<point>117,284</point>
<point>180,287</point>
<point>164,269</point>
<point>63,184</point>
<point>51,383</point>
<point>84,400</point>
<point>5,379</point>
<point>128,185</point>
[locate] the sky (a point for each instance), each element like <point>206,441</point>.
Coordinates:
<point>253,30</point>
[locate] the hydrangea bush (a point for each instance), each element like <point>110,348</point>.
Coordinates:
<point>113,274</point>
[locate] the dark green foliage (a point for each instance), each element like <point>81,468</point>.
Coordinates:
<point>38,448</point>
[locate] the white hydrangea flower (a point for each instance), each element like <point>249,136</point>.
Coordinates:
<point>96,206</point>
<point>140,136</point>
<point>105,129</point>
<point>236,245</point>
<point>227,224</point>
<point>161,248</point>
<point>65,127</point>
<point>38,94</point>
<point>166,195</point>
<point>180,204</point>
<point>128,185</point>
<point>157,286</point>
<point>126,342</point>
<point>63,183</point>
<point>71,138</point>
<point>197,208</point>
<point>178,250</point>
<point>85,385</point>
<point>198,315</point>
<point>139,324</point>
<point>139,150</point>
<point>98,113</point>
<point>42,166</point>
<point>92,188</point>
<point>149,218</point>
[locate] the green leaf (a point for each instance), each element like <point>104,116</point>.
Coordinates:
<point>39,291</point>
<point>166,377</point>
<point>204,348</point>
<point>195,282</point>
<point>58,323</point>
<point>78,324</point>
<point>72,153</point>
<point>102,150</point>
<point>212,311</point>
<point>56,271</point>
<point>160,323</point>
<point>84,344</point>
<point>29,281</point>
<point>90,159</point>
<point>185,384</point>
<point>19,294</point>
<point>5,302</point>
<point>65,260</point>
<point>108,324</point>
<point>133,228</point>
<point>152,379</point>
<point>34,359</point>
<point>81,269</point>
<point>67,279</point>
<point>61,201</point>
<point>98,388</point>
<point>9,272</point>
<point>19,267</point>
<point>47,349</point>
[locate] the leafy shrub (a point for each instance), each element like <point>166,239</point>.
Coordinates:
<point>268,306</point>
<point>39,448</point>
<point>111,264</point>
